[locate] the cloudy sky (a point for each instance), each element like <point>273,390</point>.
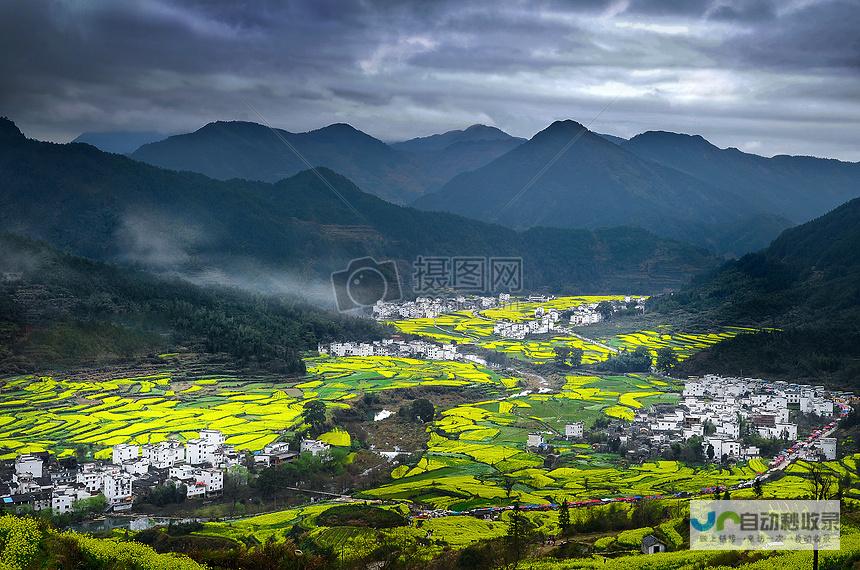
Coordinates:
<point>767,77</point>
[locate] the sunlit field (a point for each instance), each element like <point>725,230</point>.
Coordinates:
<point>61,414</point>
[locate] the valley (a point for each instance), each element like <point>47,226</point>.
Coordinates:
<point>512,424</point>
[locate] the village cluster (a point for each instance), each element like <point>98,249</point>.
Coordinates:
<point>721,411</point>
<point>41,481</point>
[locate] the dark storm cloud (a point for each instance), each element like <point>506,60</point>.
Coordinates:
<point>771,77</point>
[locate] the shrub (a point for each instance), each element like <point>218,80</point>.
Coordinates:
<point>360,515</point>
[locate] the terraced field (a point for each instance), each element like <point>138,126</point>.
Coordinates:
<point>59,414</point>
<point>684,344</point>
<point>355,542</point>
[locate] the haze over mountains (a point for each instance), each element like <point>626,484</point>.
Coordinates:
<point>60,310</point>
<point>119,142</point>
<point>290,235</point>
<point>679,186</point>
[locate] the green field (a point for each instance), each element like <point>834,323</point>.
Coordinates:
<point>474,447</point>
<point>458,531</point>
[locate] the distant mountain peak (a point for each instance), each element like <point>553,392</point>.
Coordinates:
<point>479,128</point>
<point>9,132</point>
<point>340,127</point>
<point>120,142</point>
<point>565,127</point>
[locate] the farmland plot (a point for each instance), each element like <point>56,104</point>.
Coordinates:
<point>62,414</point>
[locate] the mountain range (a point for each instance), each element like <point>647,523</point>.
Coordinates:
<point>398,173</point>
<point>679,186</point>
<point>796,188</point>
<point>292,234</point>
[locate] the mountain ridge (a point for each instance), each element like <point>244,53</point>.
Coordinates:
<point>112,208</point>
<point>248,150</point>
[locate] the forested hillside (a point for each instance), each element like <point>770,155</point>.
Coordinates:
<point>807,283</point>
<point>59,310</point>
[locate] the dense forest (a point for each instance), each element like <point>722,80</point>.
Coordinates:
<point>60,310</point>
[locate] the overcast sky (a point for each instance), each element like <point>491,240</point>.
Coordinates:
<point>767,77</point>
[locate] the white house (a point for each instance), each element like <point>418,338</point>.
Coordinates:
<point>574,430</point>
<point>124,452</point>
<point>198,482</point>
<point>139,466</point>
<point>92,475</point>
<point>165,454</point>
<point>827,445</point>
<point>117,490</point>
<point>314,447</point>
<point>63,498</point>
<point>212,436</point>
<point>28,465</point>
<point>535,440</point>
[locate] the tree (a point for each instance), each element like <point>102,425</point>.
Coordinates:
<point>516,533</point>
<point>822,483</point>
<point>314,414</point>
<point>561,354</point>
<point>605,310</point>
<point>710,452</point>
<point>823,486</point>
<point>667,359</point>
<point>576,357</point>
<point>423,409</point>
<point>757,488</point>
<point>508,485</point>
<point>93,505</point>
<point>564,517</point>
<point>639,360</point>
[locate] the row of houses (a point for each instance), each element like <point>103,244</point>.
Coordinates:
<point>432,307</point>
<point>41,481</point>
<point>399,348</point>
